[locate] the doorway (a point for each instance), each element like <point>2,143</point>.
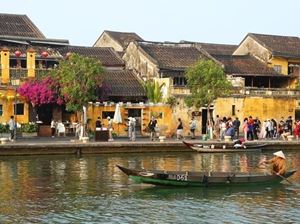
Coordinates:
<point>44,113</point>
<point>204,119</point>
<point>136,113</point>
<point>297,114</point>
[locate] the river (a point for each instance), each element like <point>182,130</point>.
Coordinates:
<point>91,189</point>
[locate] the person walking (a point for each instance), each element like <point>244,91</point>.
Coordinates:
<point>217,127</point>
<point>236,125</point>
<point>193,125</point>
<point>12,128</point>
<point>179,130</point>
<point>151,126</point>
<point>245,128</point>
<point>53,128</point>
<point>110,129</point>
<point>129,128</point>
<point>132,124</point>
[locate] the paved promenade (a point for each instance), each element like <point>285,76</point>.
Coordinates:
<point>71,145</point>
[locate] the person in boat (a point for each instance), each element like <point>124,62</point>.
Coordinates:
<point>278,162</point>
<point>239,143</point>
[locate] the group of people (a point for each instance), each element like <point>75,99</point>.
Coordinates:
<point>254,129</point>
<point>226,127</point>
<point>270,128</point>
<point>58,128</point>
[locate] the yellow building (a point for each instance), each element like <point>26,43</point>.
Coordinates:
<point>25,53</point>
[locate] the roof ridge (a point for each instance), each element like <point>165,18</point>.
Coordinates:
<point>30,23</point>
<point>271,35</point>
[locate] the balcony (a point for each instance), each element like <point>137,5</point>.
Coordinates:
<point>42,72</point>
<point>246,91</point>
<point>179,90</point>
<point>266,92</point>
<point>18,73</point>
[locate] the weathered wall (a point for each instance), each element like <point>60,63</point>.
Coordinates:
<point>260,107</point>
<point>106,41</point>
<point>282,62</point>
<point>137,60</point>
<point>250,46</point>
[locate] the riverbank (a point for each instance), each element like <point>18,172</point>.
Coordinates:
<point>70,145</point>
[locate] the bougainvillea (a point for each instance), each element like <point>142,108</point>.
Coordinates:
<point>42,91</point>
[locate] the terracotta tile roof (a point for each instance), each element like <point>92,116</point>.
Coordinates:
<point>108,56</point>
<point>52,52</point>
<point>123,38</point>
<point>123,83</point>
<point>218,49</point>
<point>284,46</point>
<point>215,49</point>
<point>245,65</point>
<point>18,25</point>
<point>172,55</point>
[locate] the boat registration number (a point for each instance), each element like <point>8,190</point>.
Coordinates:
<point>181,177</point>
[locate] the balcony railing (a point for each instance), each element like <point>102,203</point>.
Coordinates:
<point>179,90</point>
<point>41,72</point>
<point>247,91</point>
<point>18,73</point>
<point>250,91</point>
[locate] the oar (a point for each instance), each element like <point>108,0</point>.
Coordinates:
<point>284,178</point>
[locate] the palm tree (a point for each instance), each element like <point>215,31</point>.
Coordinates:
<point>154,91</point>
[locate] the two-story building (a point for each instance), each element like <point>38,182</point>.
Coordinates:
<point>24,53</point>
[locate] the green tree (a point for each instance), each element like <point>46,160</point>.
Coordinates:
<point>79,78</point>
<point>207,82</point>
<point>154,91</point>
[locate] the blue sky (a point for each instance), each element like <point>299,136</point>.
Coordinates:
<point>213,21</point>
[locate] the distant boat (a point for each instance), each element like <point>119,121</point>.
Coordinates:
<point>208,148</point>
<point>201,179</point>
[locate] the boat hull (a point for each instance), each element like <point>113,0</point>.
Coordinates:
<point>201,179</point>
<point>200,149</point>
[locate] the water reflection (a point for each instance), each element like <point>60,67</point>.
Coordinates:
<point>51,188</point>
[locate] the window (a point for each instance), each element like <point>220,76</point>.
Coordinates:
<point>1,109</point>
<point>179,81</point>
<point>277,68</point>
<point>19,109</point>
<point>106,114</point>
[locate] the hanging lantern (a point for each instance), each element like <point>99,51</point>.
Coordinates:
<point>44,54</point>
<point>18,53</point>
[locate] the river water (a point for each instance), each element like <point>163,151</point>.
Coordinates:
<point>91,189</point>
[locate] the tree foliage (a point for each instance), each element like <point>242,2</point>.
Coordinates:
<point>207,82</point>
<point>79,77</point>
<point>41,91</point>
<point>154,91</point>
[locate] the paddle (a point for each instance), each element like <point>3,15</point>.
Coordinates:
<point>284,178</point>
<point>290,182</point>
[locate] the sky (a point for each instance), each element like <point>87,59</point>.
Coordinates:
<point>211,21</point>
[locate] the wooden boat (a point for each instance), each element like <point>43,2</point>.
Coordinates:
<point>207,148</point>
<point>202,179</point>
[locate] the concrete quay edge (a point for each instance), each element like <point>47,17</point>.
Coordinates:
<point>33,147</point>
